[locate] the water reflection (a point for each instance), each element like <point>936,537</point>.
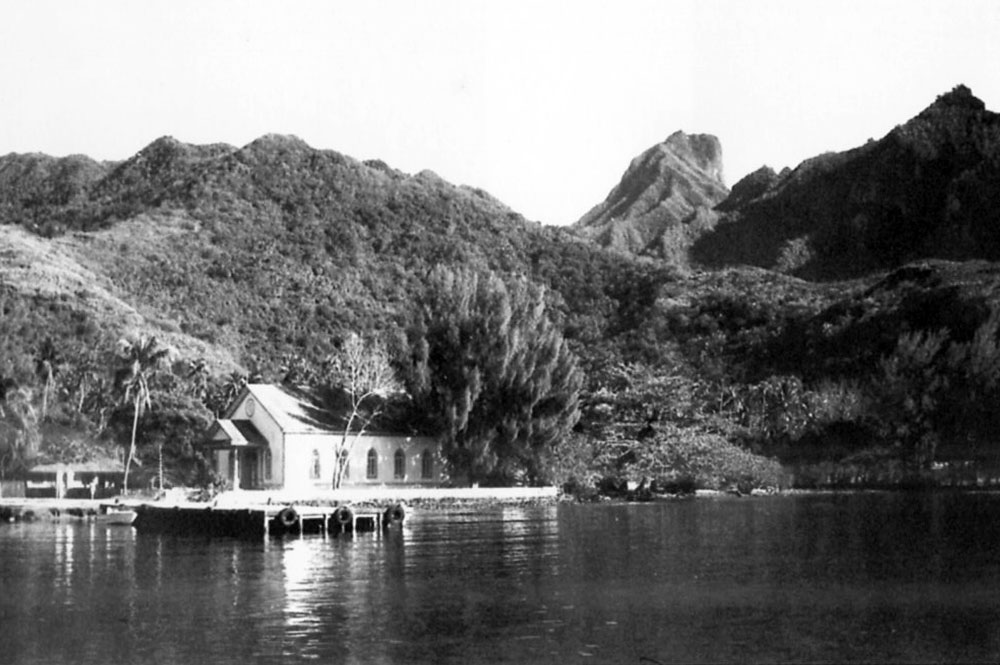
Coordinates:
<point>886,578</point>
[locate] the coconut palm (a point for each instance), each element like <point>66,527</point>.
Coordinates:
<point>233,386</point>
<point>197,375</point>
<point>140,357</point>
<point>46,363</point>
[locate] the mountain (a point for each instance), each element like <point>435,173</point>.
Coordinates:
<point>244,256</point>
<point>260,259</point>
<point>925,190</point>
<point>664,199</point>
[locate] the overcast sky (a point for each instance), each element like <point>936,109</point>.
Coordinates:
<point>543,104</point>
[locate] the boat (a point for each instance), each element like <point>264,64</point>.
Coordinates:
<point>118,517</point>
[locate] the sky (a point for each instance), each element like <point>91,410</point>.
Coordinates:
<point>541,103</point>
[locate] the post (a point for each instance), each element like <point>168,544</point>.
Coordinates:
<point>236,468</point>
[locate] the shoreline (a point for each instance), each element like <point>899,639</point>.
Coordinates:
<point>18,509</point>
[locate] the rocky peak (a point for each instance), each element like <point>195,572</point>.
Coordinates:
<point>959,97</point>
<point>701,149</point>
<point>670,184</point>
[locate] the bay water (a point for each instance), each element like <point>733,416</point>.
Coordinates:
<point>864,577</point>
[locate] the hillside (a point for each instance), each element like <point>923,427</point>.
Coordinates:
<point>245,255</point>
<point>664,200</point>
<point>260,260</point>
<point>925,190</point>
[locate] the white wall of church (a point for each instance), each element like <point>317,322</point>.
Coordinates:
<point>269,428</point>
<point>310,460</point>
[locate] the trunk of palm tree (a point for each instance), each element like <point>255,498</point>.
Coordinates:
<point>131,448</point>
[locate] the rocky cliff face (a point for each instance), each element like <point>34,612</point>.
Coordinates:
<point>922,191</point>
<point>664,199</point>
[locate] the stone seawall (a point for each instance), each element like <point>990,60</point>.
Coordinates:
<point>424,497</point>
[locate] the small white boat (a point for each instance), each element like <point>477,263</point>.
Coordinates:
<point>118,517</point>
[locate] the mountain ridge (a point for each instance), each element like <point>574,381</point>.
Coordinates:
<point>920,192</point>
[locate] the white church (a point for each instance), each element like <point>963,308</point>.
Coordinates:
<point>271,438</point>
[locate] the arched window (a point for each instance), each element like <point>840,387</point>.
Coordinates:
<point>399,465</point>
<point>426,465</point>
<point>372,471</point>
<point>314,470</point>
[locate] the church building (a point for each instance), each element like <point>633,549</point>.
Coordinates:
<point>273,437</point>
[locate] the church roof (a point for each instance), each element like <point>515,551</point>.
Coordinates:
<point>239,433</point>
<point>305,411</point>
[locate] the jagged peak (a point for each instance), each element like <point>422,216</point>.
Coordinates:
<point>704,149</point>
<point>958,97</point>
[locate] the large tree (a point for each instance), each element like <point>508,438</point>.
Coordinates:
<point>493,373</point>
<point>139,358</point>
<point>19,435</point>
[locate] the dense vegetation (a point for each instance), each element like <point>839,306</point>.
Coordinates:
<point>258,263</point>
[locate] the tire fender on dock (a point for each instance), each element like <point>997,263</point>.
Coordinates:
<point>287,518</point>
<point>394,515</point>
<point>343,516</point>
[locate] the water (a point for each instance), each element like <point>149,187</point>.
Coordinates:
<point>819,578</point>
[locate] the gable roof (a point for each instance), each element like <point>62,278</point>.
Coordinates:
<point>239,433</point>
<point>293,413</point>
<point>299,410</point>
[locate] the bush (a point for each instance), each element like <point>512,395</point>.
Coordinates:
<point>674,460</point>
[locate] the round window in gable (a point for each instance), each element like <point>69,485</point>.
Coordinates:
<point>249,407</point>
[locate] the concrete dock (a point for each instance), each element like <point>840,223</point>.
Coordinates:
<point>257,520</point>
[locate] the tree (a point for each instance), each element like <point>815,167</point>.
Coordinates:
<point>493,374</point>
<point>46,361</point>
<point>362,372</point>
<point>174,427</point>
<point>140,357</point>
<point>224,392</point>
<point>19,436</point>
<point>196,373</point>
<point>908,392</point>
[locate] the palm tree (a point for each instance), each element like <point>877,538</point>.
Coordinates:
<point>139,358</point>
<point>46,362</point>
<point>197,374</point>
<point>231,389</point>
